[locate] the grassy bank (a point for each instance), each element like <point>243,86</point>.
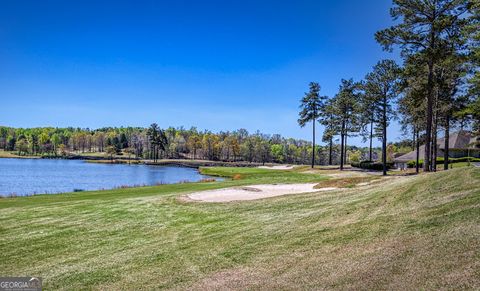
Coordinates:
<point>11,155</point>
<point>420,232</point>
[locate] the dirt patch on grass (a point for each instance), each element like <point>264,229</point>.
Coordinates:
<point>255,192</point>
<point>280,167</point>
<point>335,173</point>
<point>346,182</point>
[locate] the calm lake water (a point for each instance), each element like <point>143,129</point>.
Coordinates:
<point>39,176</point>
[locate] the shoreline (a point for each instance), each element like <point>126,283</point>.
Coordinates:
<point>162,162</point>
<point>181,163</point>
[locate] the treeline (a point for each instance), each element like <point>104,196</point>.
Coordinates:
<point>436,88</point>
<point>171,143</point>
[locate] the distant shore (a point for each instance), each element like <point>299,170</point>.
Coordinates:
<point>178,162</point>
<point>126,160</point>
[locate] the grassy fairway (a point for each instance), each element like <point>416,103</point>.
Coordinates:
<point>402,232</point>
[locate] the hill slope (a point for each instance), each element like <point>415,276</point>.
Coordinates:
<point>404,232</point>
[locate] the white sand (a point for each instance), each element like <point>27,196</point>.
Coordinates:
<point>254,192</point>
<point>281,167</point>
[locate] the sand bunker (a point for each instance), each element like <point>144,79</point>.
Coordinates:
<point>254,192</point>
<point>282,167</point>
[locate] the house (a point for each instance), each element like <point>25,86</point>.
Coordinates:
<point>461,144</point>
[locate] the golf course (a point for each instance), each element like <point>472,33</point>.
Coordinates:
<point>367,232</point>
<point>240,145</point>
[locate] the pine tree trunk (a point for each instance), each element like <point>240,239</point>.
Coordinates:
<point>433,161</point>
<point>346,136</point>
<point>428,137</point>
<point>313,150</point>
<point>417,167</point>
<point>330,152</point>
<point>342,144</point>
<point>447,141</point>
<point>384,138</point>
<point>414,138</point>
<point>371,138</point>
<point>434,145</point>
<point>431,153</point>
<point>428,134</point>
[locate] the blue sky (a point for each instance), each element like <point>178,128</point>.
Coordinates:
<point>218,65</point>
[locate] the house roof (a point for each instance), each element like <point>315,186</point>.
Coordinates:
<point>411,155</point>
<point>458,140</point>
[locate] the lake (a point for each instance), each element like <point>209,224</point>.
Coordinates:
<point>48,176</point>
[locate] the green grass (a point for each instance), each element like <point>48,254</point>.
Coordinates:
<point>420,232</point>
<point>455,165</point>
